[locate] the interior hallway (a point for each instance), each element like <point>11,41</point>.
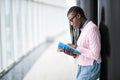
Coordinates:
<point>53,65</point>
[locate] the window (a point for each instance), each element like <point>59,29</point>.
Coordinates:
<point>0,57</point>
<point>16,31</point>
<point>0,41</point>
<point>9,32</point>
<point>29,27</point>
<point>23,23</point>
<point>17,28</point>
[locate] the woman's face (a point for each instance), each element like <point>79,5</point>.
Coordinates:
<point>74,20</point>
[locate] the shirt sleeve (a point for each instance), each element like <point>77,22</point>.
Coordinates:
<point>94,45</point>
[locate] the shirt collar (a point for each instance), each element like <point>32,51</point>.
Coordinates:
<point>84,24</point>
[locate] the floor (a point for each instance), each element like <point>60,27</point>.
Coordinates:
<point>53,65</point>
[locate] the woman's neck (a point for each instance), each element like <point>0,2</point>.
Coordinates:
<point>83,21</point>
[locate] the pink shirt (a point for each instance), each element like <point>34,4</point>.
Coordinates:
<point>89,45</point>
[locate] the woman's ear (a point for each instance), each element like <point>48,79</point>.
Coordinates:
<point>79,16</point>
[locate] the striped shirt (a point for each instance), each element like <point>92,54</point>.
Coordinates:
<point>89,45</point>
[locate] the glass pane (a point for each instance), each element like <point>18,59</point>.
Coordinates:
<point>18,29</point>
<point>0,49</point>
<point>9,35</point>
<point>23,15</point>
<point>0,40</point>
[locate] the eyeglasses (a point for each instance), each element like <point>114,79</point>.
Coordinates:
<point>71,20</point>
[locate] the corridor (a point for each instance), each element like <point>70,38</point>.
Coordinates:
<point>30,31</point>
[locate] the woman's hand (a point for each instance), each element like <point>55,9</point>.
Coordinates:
<point>72,45</point>
<point>68,52</point>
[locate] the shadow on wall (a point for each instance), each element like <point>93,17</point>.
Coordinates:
<point>105,46</point>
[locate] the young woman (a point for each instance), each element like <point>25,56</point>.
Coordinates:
<point>88,44</point>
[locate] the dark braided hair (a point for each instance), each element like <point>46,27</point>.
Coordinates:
<point>76,10</point>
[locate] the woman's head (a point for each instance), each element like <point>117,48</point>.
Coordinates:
<point>75,16</point>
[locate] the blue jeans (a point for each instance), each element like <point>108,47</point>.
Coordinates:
<point>88,72</point>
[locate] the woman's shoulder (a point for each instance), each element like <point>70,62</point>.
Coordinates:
<point>92,24</point>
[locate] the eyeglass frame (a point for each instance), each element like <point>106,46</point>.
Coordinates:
<point>71,20</point>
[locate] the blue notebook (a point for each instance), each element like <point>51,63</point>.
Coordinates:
<point>65,46</point>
